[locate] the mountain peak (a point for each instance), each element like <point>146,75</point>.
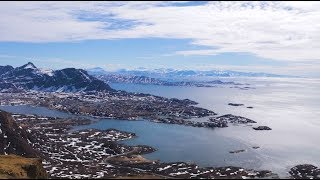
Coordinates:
<point>29,65</point>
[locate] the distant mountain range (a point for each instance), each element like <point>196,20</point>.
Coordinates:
<point>171,77</point>
<point>29,77</point>
<point>176,74</point>
<point>131,79</point>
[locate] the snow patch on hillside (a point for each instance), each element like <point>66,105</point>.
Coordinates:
<point>48,72</point>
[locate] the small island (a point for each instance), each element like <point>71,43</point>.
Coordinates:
<point>262,128</point>
<point>235,104</point>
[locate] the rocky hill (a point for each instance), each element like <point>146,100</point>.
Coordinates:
<point>13,138</point>
<point>29,77</point>
<point>17,157</point>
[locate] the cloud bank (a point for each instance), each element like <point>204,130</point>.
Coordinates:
<point>287,31</point>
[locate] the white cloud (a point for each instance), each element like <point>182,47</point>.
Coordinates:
<point>287,31</point>
<point>198,52</point>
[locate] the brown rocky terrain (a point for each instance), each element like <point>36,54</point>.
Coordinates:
<point>17,167</point>
<point>17,158</point>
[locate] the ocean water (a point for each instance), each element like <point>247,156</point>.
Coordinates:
<point>289,106</point>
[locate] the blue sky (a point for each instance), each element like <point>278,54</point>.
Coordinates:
<point>124,53</point>
<point>275,37</point>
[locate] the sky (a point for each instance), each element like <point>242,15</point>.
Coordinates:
<point>264,36</point>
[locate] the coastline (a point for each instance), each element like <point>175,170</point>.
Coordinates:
<point>128,162</point>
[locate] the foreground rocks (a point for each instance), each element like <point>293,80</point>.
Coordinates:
<point>77,154</point>
<point>305,171</point>
<point>182,170</point>
<point>17,167</point>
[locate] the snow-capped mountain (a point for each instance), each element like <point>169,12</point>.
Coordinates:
<point>28,77</point>
<point>118,78</point>
<point>166,74</point>
<point>172,73</point>
<point>172,77</point>
<point>132,79</point>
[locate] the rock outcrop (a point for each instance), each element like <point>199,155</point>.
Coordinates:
<point>305,171</point>
<point>13,138</point>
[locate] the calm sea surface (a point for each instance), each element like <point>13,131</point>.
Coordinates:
<point>289,106</point>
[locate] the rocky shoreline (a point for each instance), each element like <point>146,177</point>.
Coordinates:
<point>92,153</point>
<point>76,154</point>
<point>129,106</point>
<point>116,105</point>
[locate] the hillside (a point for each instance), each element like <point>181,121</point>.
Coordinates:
<point>13,138</point>
<point>17,158</point>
